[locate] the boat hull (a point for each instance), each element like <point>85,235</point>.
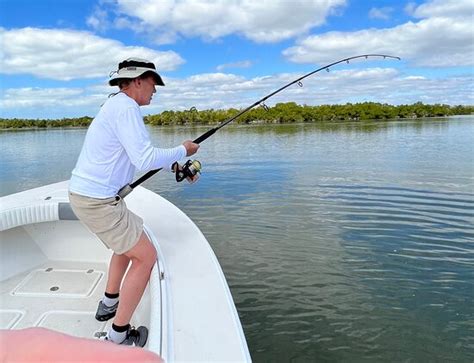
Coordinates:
<point>53,273</point>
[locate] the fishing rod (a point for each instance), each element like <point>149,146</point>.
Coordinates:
<point>191,168</point>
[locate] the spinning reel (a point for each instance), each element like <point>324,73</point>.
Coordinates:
<point>189,171</point>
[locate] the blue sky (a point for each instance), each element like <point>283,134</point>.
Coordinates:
<point>56,55</point>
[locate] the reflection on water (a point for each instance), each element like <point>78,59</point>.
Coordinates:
<point>348,242</point>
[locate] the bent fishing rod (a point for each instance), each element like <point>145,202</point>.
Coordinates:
<point>191,168</point>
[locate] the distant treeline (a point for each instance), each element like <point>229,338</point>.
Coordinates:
<point>292,113</point>
<point>18,123</point>
<point>280,113</point>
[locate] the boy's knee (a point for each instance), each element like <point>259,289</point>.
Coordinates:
<point>149,256</point>
<point>153,255</point>
<point>144,253</point>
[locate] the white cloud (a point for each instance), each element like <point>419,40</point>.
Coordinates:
<point>212,79</point>
<point>445,8</point>
<point>34,97</point>
<point>380,13</point>
<point>410,8</point>
<point>443,38</point>
<point>69,54</point>
<point>98,20</point>
<point>336,87</point>
<point>220,90</point>
<point>241,64</point>
<point>61,101</point>
<point>260,21</point>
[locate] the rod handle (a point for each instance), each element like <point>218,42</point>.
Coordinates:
<point>206,135</point>
<point>124,191</point>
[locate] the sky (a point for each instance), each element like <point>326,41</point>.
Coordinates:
<point>56,55</point>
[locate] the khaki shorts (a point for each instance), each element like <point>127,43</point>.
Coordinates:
<point>116,226</point>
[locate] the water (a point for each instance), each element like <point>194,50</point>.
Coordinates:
<point>340,243</point>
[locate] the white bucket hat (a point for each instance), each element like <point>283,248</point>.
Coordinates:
<point>132,68</point>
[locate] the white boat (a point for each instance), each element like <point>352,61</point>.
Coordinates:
<point>53,271</point>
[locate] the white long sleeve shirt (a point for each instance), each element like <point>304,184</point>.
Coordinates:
<point>116,145</point>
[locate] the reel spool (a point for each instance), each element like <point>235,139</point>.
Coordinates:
<point>190,171</point>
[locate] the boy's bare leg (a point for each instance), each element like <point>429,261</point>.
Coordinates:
<point>118,266</point>
<point>143,257</point>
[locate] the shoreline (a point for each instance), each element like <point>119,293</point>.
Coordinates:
<point>281,113</point>
<point>250,124</point>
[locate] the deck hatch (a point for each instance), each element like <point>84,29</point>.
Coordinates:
<point>59,283</point>
<point>77,323</point>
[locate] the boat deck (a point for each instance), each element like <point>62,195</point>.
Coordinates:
<point>59,295</point>
<point>53,273</point>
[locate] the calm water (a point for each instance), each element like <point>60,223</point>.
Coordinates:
<point>341,243</point>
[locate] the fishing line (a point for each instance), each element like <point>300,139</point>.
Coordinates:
<point>190,169</point>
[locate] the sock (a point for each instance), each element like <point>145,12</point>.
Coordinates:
<point>110,299</point>
<point>117,333</point>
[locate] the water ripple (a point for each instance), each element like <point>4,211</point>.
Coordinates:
<point>338,246</point>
